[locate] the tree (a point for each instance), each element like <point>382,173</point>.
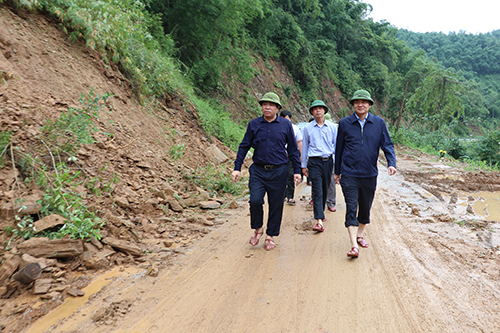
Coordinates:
<point>437,101</point>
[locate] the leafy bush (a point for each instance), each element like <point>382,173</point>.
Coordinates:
<point>216,179</point>
<point>63,136</point>
<point>483,152</point>
<point>75,126</point>
<point>216,122</point>
<point>488,148</point>
<point>176,151</point>
<point>4,144</point>
<point>457,149</point>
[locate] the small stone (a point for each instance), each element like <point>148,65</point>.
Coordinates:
<point>168,243</point>
<point>75,292</point>
<point>209,204</point>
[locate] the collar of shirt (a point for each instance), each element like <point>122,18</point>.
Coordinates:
<point>362,122</point>
<point>262,119</point>
<point>324,124</point>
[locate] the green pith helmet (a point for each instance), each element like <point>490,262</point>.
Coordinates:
<point>361,94</point>
<point>271,97</point>
<point>318,103</point>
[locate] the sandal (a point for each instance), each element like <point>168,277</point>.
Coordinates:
<point>354,253</point>
<point>270,244</point>
<point>319,227</point>
<point>361,241</point>
<point>256,237</point>
<point>291,202</point>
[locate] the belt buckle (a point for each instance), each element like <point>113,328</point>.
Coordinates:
<point>268,167</point>
<point>325,158</point>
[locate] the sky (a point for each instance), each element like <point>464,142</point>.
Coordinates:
<point>477,16</point>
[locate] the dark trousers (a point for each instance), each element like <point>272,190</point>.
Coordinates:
<point>358,193</point>
<point>290,184</point>
<point>272,182</point>
<point>320,175</point>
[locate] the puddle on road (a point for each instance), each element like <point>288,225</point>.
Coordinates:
<point>487,205</point>
<point>71,304</point>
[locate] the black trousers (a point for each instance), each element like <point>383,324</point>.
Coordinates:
<point>272,182</point>
<point>320,175</point>
<point>290,184</point>
<point>358,193</point>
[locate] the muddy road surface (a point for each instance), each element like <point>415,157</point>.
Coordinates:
<point>431,267</point>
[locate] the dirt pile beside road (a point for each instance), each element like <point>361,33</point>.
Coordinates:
<point>141,175</point>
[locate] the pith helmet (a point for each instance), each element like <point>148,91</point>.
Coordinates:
<point>361,94</point>
<point>318,103</point>
<point>271,97</point>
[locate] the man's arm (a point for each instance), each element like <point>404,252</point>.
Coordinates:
<point>292,149</point>
<point>245,145</point>
<point>387,147</point>
<point>339,150</point>
<point>299,145</point>
<point>305,147</point>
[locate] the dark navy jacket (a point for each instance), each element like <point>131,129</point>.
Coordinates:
<point>357,149</point>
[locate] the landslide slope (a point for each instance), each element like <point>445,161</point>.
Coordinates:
<point>144,162</point>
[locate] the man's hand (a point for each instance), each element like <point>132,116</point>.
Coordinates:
<point>297,178</point>
<point>235,176</point>
<point>391,171</point>
<point>305,172</point>
<point>336,178</point>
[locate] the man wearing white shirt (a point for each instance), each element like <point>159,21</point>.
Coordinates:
<point>318,147</point>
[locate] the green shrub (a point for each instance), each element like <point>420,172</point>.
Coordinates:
<point>4,144</point>
<point>217,180</point>
<point>74,127</point>
<point>488,148</point>
<point>216,122</point>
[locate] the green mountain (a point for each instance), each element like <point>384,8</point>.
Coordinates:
<point>475,57</point>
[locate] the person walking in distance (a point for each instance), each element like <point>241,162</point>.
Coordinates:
<point>318,147</point>
<point>360,138</point>
<point>290,183</point>
<point>274,143</point>
<point>331,197</point>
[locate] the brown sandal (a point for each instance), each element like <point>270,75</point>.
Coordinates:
<point>319,227</point>
<point>270,244</point>
<point>256,237</point>
<point>354,253</point>
<point>361,241</point>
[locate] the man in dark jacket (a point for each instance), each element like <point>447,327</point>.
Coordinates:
<point>360,137</point>
<point>274,142</point>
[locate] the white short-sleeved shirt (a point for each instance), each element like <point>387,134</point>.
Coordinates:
<point>297,133</point>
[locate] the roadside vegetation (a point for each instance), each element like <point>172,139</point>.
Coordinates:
<point>194,50</point>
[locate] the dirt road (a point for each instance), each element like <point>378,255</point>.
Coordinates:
<point>416,276</point>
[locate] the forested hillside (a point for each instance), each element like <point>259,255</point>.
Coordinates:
<point>476,57</point>
<point>220,55</point>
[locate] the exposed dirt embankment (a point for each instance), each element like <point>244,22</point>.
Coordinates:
<point>139,175</point>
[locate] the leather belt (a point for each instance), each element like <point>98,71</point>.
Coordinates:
<point>320,158</point>
<point>269,166</point>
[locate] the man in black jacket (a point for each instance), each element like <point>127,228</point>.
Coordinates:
<point>360,137</point>
<point>274,142</point>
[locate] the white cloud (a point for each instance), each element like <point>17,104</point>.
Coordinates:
<point>478,16</point>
